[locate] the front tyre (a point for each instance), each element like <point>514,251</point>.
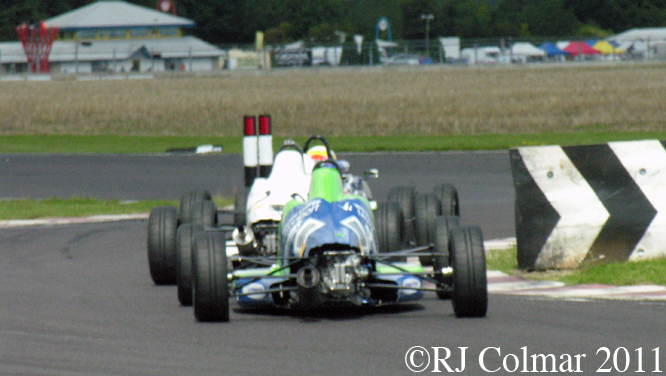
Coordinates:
<point>426,210</point>
<point>390,226</point>
<point>204,214</point>
<point>470,285</point>
<point>188,199</point>
<point>162,227</point>
<point>184,245</point>
<point>405,197</point>
<point>210,293</point>
<point>448,199</point>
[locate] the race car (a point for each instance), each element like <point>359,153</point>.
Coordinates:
<point>328,254</point>
<point>255,229</point>
<point>255,218</point>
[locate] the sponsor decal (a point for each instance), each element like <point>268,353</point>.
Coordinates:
<point>257,288</point>
<point>410,282</point>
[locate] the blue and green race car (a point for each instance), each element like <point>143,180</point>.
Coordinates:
<point>329,254</point>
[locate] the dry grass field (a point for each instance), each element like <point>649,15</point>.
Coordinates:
<point>373,101</point>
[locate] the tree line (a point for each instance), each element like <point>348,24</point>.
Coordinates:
<point>283,21</point>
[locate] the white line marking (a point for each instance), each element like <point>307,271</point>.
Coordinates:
<point>72,220</point>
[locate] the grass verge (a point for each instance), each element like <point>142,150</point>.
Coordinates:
<point>80,207</point>
<point>113,144</point>
<point>618,273</point>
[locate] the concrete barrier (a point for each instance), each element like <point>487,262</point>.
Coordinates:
<point>595,203</point>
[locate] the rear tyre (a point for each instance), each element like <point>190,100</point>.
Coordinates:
<point>426,210</point>
<point>210,293</point>
<point>184,245</point>
<point>240,207</point>
<point>448,198</point>
<point>405,197</point>
<point>440,260</point>
<point>189,198</point>
<point>162,226</point>
<point>470,285</point>
<point>204,214</point>
<point>390,227</point>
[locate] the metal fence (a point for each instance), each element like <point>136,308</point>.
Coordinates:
<point>412,52</point>
<point>408,52</point>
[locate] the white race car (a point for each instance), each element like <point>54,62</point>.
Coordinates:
<point>256,227</point>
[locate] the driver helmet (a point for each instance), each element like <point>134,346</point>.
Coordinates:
<point>318,153</point>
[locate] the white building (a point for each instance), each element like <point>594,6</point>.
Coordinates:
<point>115,36</point>
<point>645,42</point>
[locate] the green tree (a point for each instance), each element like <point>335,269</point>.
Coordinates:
<point>525,18</point>
<point>414,26</point>
<point>463,18</point>
<point>236,21</point>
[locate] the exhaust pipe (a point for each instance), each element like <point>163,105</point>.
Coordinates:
<point>265,146</point>
<point>250,159</point>
<point>245,241</point>
<point>308,277</point>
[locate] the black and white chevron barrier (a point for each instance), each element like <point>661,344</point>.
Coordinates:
<point>589,203</point>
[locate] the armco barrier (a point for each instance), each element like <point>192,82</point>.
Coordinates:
<point>591,203</point>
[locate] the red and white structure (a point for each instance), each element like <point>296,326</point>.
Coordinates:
<point>37,42</point>
<point>265,143</point>
<point>257,148</point>
<point>250,152</point>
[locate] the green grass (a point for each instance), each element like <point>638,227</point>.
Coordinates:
<point>503,260</point>
<point>626,273</point>
<point>80,207</point>
<point>618,273</point>
<point>114,144</point>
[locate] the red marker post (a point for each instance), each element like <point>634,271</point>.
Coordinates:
<point>265,146</point>
<point>250,155</point>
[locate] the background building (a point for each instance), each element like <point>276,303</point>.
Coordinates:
<point>116,36</point>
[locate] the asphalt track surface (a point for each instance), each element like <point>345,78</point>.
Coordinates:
<point>78,300</point>
<point>483,179</point>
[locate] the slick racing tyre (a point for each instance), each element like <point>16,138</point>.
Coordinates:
<point>204,214</point>
<point>210,293</point>
<point>389,224</point>
<point>189,198</point>
<point>448,199</point>
<point>426,211</point>
<point>240,207</point>
<point>443,225</point>
<point>405,197</point>
<point>184,245</point>
<point>468,260</point>
<point>162,226</point>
